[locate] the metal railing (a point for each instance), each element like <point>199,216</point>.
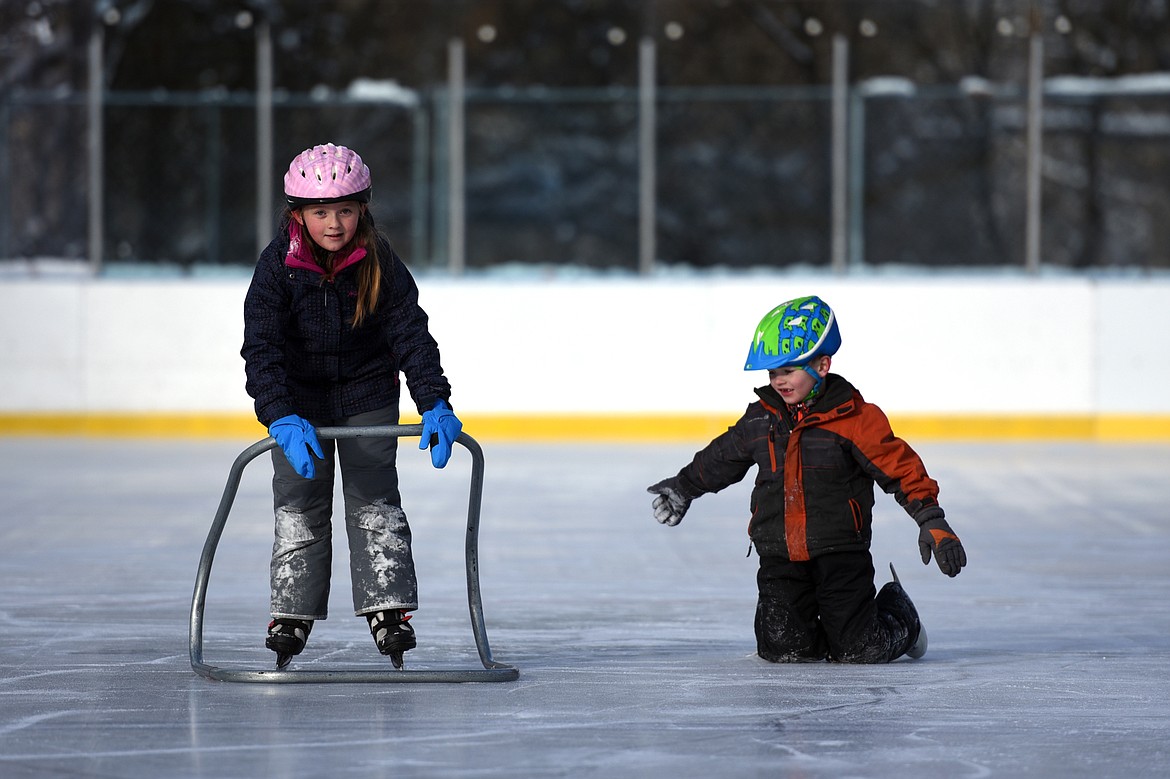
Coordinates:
<point>492,671</point>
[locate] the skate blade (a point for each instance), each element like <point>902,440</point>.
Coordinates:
<point>396,659</point>
<point>282,660</point>
<point>894,574</point>
<point>919,648</point>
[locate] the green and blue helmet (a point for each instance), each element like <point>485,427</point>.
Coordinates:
<point>793,334</point>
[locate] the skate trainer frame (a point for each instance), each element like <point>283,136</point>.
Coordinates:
<point>492,671</point>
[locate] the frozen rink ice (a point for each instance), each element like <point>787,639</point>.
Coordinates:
<point>1049,656</point>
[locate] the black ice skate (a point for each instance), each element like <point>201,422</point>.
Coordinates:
<point>918,642</point>
<point>392,633</point>
<point>287,637</point>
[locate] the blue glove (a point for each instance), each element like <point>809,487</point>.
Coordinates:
<point>440,428</point>
<point>294,434</point>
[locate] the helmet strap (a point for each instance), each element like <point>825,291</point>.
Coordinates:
<point>820,382</point>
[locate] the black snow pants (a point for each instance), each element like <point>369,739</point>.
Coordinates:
<point>827,609</point>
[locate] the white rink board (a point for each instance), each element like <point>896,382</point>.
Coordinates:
<point>945,345</point>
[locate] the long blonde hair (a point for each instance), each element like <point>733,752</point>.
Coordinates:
<point>369,269</point>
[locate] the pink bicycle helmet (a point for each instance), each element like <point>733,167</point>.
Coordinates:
<point>327,174</point>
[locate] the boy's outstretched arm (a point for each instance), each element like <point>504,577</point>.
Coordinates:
<point>719,464</point>
<point>672,502</point>
<point>935,535</point>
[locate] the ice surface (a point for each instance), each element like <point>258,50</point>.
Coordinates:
<point>1049,655</point>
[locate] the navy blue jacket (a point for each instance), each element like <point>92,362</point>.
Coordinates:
<point>302,356</point>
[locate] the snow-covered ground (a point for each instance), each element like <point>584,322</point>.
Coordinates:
<point>1049,655</point>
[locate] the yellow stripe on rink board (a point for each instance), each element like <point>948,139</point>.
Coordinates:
<point>1135,427</point>
<point>1105,428</point>
<point>629,428</point>
<point>110,425</point>
<point>486,427</point>
<point>618,428</point>
<point>993,428</point>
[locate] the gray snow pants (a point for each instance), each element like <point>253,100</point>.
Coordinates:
<point>380,561</point>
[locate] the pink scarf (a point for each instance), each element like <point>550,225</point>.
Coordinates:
<point>300,255</point>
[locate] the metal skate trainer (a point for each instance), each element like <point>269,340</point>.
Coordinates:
<point>492,670</point>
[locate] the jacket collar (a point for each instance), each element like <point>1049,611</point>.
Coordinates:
<point>300,255</point>
<point>838,394</point>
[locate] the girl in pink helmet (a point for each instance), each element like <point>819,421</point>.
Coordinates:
<point>331,319</point>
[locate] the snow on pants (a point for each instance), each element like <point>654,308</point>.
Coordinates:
<point>827,608</point>
<point>380,561</point>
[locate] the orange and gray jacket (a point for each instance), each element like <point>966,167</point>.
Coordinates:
<point>814,492</point>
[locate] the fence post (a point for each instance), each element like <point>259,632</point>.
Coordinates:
<point>263,133</point>
<point>1035,145</point>
<point>856,163</point>
<point>95,142</point>
<point>5,175</point>
<point>840,155</point>
<point>647,161</point>
<point>456,220</point>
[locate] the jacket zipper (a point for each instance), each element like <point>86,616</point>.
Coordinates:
<point>772,458</point>
<point>772,442</point>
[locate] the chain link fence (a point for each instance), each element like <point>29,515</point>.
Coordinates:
<point>742,177</point>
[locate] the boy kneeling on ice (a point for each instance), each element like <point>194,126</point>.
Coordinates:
<point>819,448</point>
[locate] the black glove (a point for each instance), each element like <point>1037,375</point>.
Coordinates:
<point>935,535</point>
<point>672,503</point>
